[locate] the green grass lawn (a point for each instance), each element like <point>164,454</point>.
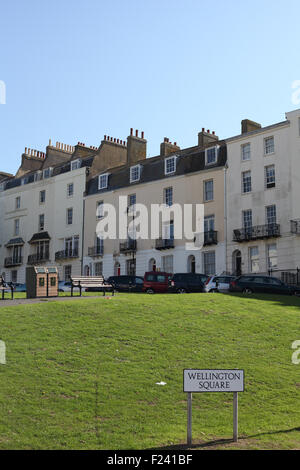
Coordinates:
<point>82,374</point>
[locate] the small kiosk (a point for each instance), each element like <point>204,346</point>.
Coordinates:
<point>41,282</point>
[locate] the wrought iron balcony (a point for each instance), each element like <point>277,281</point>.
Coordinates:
<point>128,246</point>
<point>210,238</point>
<point>66,254</point>
<point>257,232</point>
<point>95,251</point>
<point>13,261</point>
<point>295,226</point>
<point>164,243</point>
<point>38,258</point>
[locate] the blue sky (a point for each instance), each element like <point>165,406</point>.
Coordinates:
<point>76,70</point>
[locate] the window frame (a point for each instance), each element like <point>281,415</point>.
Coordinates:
<point>68,190</point>
<point>72,212</point>
<point>132,171</point>
<point>168,200</point>
<point>205,192</point>
<point>75,164</point>
<point>271,184</point>
<point>215,148</point>
<point>103,175</point>
<point>246,182</point>
<point>265,145</point>
<point>243,146</point>
<point>167,160</point>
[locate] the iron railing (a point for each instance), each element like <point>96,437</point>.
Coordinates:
<point>256,232</point>
<point>164,243</point>
<point>13,261</point>
<point>66,254</point>
<point>128,246</point>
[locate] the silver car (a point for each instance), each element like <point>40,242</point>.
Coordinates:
<point>218,283</point>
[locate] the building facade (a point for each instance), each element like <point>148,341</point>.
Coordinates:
<point>262,210</point>
<point>248,186</point>
<point>189,176</point>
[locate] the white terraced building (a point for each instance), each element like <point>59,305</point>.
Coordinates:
<point>263,199</point>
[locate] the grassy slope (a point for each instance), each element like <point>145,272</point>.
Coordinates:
<point>83,374</point>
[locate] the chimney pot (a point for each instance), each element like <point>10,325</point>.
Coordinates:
<point>143,134</point>
<point>208,131</point>
<point>175,143</point>
<point>213,133</point>
<point>131,131</point>
<point>136,133</point>
<point>203,129</point>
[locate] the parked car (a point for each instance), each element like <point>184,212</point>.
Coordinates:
<point>64,286</point>
<point>156,282</point>
<point>249,284</point>
<point>127,283</point>
<point>218,283</point>
<point>19,287</point>
<point>187,282</point>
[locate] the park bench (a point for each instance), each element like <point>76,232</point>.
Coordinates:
<point>85,282</point>
<point>6,286</point>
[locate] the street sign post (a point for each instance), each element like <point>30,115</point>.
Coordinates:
<point>212,380</point>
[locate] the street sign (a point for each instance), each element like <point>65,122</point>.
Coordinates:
<point>198,381</point>
<point>212,380</point>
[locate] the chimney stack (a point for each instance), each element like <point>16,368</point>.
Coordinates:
<point>166,147</point>
<point>249,126</point>
<point>136,147</point>
<point>206,137</point>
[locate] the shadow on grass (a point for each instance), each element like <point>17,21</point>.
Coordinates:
<point>285,300</point>
<point>220,442</point>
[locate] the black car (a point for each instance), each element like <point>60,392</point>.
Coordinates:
<point>127,283</point>
<point>187,282</point>
<point>249,284</point>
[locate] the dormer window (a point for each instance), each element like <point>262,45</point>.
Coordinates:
<point>103,181</point>
<point>38,176</point>
<point>170,165</point>
<point>211,155</point>
<point>75,164</point>
<point>135,173</point>
<point>47,172</point>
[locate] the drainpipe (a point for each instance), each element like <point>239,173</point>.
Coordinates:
<point>82,236</point>
<point>225,215</point>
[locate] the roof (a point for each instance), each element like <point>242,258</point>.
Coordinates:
<point>189,161</point>
<point>15,242</point>
<point>39,237</point>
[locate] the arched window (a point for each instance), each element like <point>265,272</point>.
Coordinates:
<point>152,264</point>
<point>117,269</point>
<point>237,263</point>
<point>191,264</point>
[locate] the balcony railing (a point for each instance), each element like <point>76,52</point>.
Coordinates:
<point>210,238</point>
<point>295,226</point>
<point>257,232</point>
<point>66,254</point>
<point>13,261</point>
<point>38,258</point>
<point>95,251</point>
<point>128,246</point>
<point>164,243</point>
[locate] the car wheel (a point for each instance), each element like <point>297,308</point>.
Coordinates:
<point>247,290</point>
<point>181,291</point>
<point>150,291</point>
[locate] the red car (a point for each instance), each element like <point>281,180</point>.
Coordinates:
<point>156,282</point>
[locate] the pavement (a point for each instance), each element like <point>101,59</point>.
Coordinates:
<point>13,303</point>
